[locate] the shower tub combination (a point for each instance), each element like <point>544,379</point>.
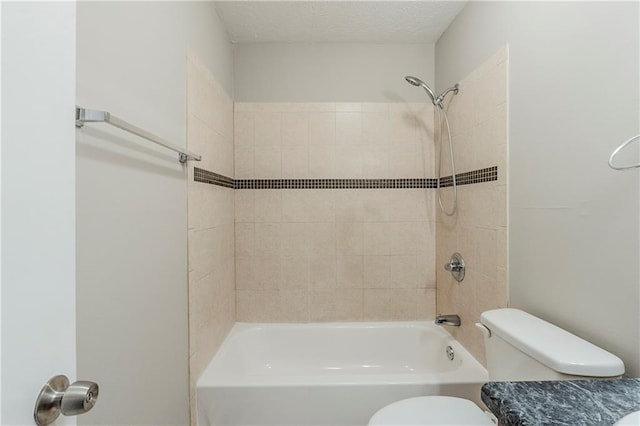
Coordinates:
<point>330,374</point>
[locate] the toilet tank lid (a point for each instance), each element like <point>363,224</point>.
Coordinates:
<point>551,345</point>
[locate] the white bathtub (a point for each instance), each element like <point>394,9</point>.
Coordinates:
<point>330,374</point>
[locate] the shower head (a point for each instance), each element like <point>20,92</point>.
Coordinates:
<point>419,83</point>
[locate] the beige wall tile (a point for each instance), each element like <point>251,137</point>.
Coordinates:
<point>336,305</point>
<point>375,160</point>
<point>349,238</point>
<point>196,134</point>
<point>294,306</point>
<point>267,162</point>
<point>349,128</point>
<point>268,306</point>
<point>267,239</point>
<point>267,274</point>
<point>348,205</point>
<point>377,272</point>
<point>266,129</point>
<point>375,107</point>
<point>295,239</point>
<point>202,247</point>
<point>257,306</point>
<point>268,205</point>
<point>403,125</point>
<point>348,161</point>
<point>245,277</point>
<point>403,272</point>
<point>322,159</point>
<point>426,269</point>
<point>350,271</point>
<point>244,205</point>
<point>320,205</point>
<point>376,128</point>
<point>425,304</point>
<point>322,239</point>
<point>376,238</point>
<point>244,163</point>
<point>348,107</point>
<point>322,273</point>
<point>218,154</point>
<point>243,129</point>
<point>307,205</point>
<point>332,243</point>
<point>316,107</point>
<point>294,129</point>
<point>322,128</point>
<point>243,107</point>
<point>384,304</point>
<point>212,278</point>
<point>245,239</point>
<point>406,161</point>
<point>479,230</point>
<point>295,207</point>
<point>295,273</point>
<point>295,161</point>
<point>375,205</point>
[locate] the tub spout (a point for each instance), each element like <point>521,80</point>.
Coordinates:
<point>453,320</point>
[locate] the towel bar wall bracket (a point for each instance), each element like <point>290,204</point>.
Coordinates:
<point>94,116</point>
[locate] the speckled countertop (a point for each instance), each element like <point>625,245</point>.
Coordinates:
<point>571,403</point>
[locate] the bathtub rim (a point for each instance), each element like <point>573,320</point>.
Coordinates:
<point>470,371</point>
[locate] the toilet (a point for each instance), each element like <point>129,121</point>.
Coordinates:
<point>519,347</point>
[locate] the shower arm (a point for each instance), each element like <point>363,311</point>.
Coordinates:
<point>455,89</point>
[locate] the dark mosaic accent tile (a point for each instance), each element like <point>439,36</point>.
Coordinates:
<point>476,176</point>
<point>205,176</point>
<point>336,183</point>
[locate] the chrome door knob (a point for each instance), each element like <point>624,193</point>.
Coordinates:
<point>58,397</point>
<point>79,398</point>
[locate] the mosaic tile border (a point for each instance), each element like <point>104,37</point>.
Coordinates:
<point>476,176</point>
<point>205,176</point>
<point>467,178</point>
<point>336,183</point>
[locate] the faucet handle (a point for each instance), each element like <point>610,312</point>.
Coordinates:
<point>452,266</point>
<point>456,266</point>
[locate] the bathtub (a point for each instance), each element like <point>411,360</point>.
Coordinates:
<point>330,374</point>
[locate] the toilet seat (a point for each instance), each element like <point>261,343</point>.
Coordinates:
<point>431,410</point>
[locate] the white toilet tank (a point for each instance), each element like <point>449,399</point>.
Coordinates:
<point>520,346</point>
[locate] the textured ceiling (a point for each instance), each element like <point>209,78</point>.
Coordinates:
<point>337,21</point>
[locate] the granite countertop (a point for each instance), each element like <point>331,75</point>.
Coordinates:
<point>571,403</point>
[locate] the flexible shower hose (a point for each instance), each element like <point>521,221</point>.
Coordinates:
<point>442,112</point>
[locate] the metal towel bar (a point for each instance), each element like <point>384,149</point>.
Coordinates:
<point>93,116</point>
<point>617,150</point>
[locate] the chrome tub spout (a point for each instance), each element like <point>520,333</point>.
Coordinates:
<point>453,320</point>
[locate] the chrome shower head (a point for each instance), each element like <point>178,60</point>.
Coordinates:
<point>414,80</point>
<point>419,83</point>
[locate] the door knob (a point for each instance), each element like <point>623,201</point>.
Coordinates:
<point>58,397</point>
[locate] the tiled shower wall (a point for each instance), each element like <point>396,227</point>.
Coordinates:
<point>478,119</point>
<point>339,253</point>
<point>210,220</point>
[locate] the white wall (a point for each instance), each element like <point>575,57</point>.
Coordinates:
<point>132,207</point>
<point>38,192</point>
<point>574,96</point>
<point>331,72</point>
<point>0,220</point>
